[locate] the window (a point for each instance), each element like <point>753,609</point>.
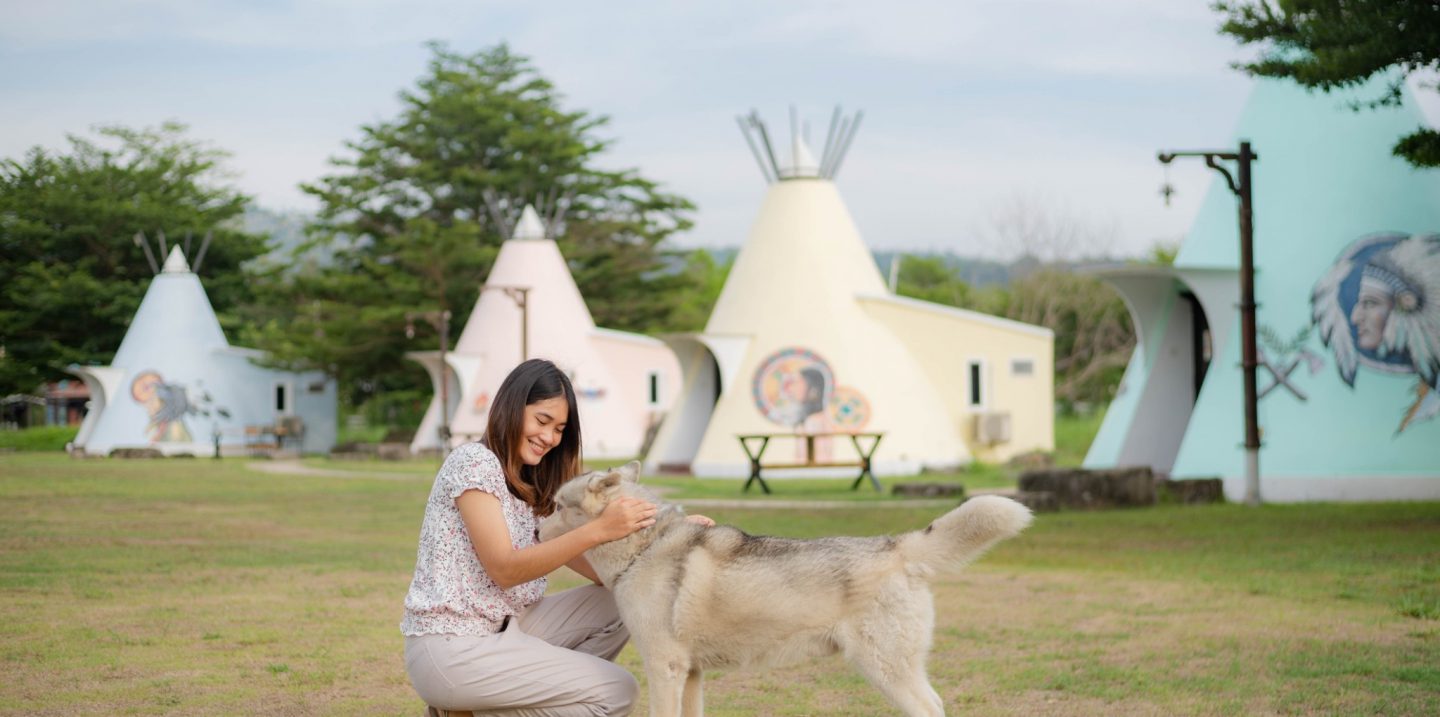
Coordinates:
<point>1022,367</point>
<point>282,399</point>
<point>975,371</point>
<point>654,381</point>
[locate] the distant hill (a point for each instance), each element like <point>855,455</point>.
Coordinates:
<point>286,233</point>
<point>286,230</point>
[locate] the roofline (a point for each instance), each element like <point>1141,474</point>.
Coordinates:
<point>996,321</point>
<point>627,336</point>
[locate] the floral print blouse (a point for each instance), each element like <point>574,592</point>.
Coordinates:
<point>451,594</point>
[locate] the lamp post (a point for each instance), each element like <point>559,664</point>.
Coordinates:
<point>441,321</point>
<point>521,296</point>
<point>1240,185</point>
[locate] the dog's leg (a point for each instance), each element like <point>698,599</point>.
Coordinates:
<point>904,683</point>
<point>889,647</point>
<point>666,670</point>
<point>693,702</point>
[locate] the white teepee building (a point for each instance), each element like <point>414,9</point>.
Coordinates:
<point>805,338</point>
<point>177,386</point>
<point>530,307</point>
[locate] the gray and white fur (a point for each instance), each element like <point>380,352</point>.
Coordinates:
<point>696,598</point>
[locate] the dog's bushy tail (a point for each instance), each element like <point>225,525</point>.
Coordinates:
<point>957,538</point>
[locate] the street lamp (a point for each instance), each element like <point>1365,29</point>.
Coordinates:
<point>521,296</point>
<point>1240,185</point>
<point>441,321</point>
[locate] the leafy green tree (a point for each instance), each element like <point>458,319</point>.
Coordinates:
<point>1329,44</point>
<point>71,274</point>
<point>1093,334</point>
<point>415,216</point>
<point>930,278</point>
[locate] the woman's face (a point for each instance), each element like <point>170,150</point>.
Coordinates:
<point>544,426</point>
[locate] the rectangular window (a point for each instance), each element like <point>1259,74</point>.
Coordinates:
<point>654,377</point>
<point>282,398</point>
<point>1022,367</point>
<point>976,373</point>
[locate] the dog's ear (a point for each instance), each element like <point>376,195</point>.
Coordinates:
<point>630,472</point>
<point>604,482</point>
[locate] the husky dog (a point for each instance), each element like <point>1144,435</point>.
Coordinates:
<point>696,598</point>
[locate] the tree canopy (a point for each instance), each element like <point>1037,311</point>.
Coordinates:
<point>1329,44</point>
<point>415,214</point>
<point>1093,334</point>
<point>71,274</point>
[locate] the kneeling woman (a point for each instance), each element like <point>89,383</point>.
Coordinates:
<point>480,633</point>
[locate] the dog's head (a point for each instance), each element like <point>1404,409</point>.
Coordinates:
<point>584,497</point>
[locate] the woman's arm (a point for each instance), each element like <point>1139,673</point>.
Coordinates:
<point>485,522</point>
<point>582,566</point>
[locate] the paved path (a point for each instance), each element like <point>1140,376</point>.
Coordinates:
<point>291,467</point>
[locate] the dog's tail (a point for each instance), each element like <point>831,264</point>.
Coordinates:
<point>957,538</point>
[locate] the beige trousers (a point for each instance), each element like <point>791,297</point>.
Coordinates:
<point>553,660</point>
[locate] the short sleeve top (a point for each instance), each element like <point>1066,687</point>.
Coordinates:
<point>451,594</point>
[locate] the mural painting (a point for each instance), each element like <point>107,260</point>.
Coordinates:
<point>1379,307</point>
<point>168,404</point>
<point>796,388</point>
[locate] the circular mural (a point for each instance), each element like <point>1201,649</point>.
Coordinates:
<point>792,385</point>
<point>848,410</point>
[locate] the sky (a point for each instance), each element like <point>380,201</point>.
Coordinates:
<point>978,116</point>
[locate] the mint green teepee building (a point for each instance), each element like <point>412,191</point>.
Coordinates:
<point>1347,281</point>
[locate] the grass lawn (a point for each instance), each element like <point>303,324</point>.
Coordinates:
<point>203,587</point>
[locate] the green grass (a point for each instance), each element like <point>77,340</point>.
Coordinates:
<point>1073,435</point>
<point>38,438</point>
<point>202,587</point>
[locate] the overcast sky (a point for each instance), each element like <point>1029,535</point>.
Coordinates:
<point>971,108</point>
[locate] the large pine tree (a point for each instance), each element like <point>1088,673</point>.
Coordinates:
<point>1329,44</point>
<point>410,216</point>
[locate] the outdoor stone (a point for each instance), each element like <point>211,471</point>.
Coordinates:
<point>136,453</point>
<point>928,490</point>
<point>1190,492</point>
<point>1040,501</point>
<point>392,451</point>
<point>1082,488</point>
<point>1034,460</point>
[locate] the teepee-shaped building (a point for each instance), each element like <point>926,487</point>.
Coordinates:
<point>1347,284</point>
<point>805,338</point>
<point>177,386</point>
<point>530,307</point>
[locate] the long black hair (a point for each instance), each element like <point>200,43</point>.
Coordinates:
<point>531,382</point>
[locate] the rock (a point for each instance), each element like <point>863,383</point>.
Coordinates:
<point>136,453</point>
<point>1104,488</point>
<point>1040,501</point>
<point>1195,491</point>
<point>928,490</point>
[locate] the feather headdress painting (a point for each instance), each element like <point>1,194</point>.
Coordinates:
<point>1379,307</point>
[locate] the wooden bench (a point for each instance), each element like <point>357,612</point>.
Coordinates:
<point>755,445</point>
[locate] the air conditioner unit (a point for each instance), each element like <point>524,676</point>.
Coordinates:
<point>992,427</point>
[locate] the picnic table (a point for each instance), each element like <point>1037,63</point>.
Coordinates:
<point>756,443</point>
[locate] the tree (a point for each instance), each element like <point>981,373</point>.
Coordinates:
<point>71,274</point>
<point>929,278</point>
<point>416,216</point>
<point>1093,334</point>
<point>1330,44</point>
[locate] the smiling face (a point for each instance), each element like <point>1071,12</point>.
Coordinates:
<point>542,429</point>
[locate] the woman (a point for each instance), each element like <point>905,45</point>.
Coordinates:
<point>480,634</point>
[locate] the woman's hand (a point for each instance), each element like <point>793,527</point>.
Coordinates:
<point>702,520</point>
<point>623,517</point>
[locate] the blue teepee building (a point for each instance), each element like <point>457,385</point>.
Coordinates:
<point>1347,282</point>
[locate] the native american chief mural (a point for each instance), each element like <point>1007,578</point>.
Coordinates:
<point>1379,307</point>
